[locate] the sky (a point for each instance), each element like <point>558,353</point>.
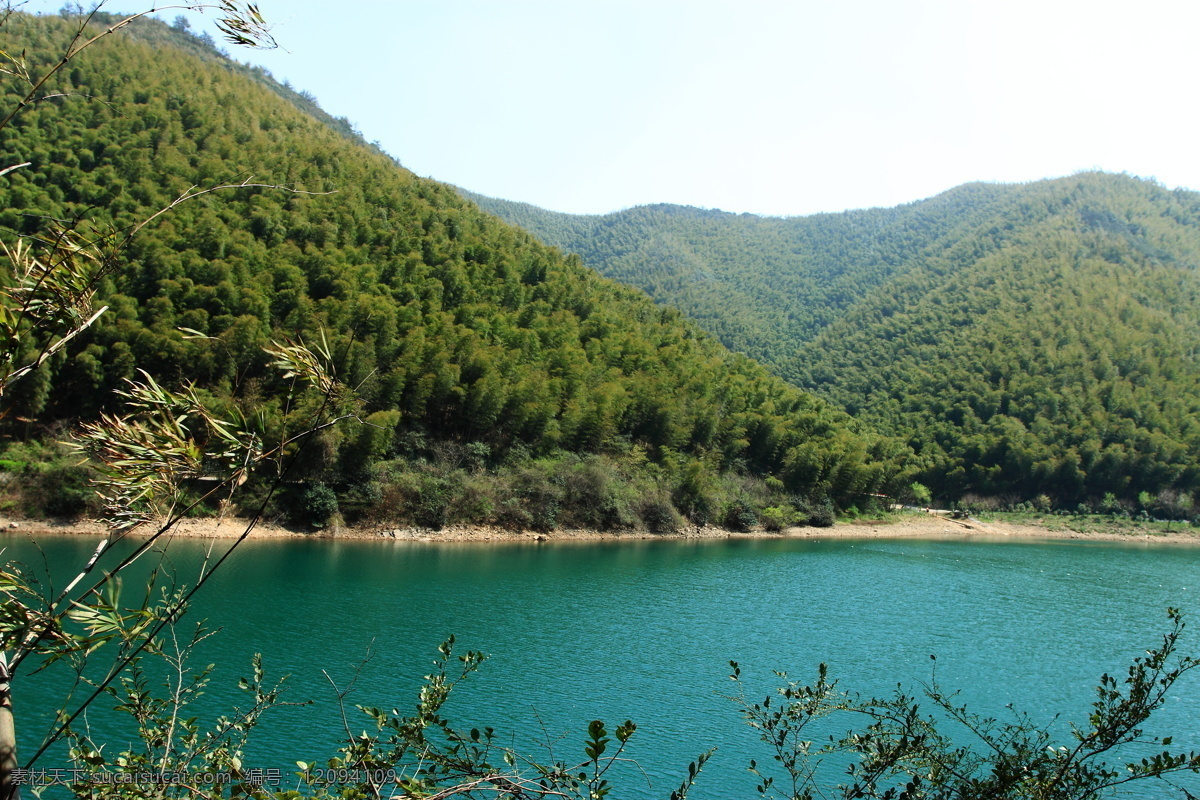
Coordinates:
<point>777,107</point>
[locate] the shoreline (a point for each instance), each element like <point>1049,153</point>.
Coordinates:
<point>905,526</point>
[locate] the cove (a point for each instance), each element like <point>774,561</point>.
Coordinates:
<point>645,631</point>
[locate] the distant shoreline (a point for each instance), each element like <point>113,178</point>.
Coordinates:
<point>902,526</point>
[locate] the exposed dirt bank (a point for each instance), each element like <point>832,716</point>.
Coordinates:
<point>905,525</point>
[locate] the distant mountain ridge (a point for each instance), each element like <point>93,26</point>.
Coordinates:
<point>1024,339</point>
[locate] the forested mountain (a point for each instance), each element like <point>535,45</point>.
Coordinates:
<point>1024,339</point>
<point>474,347</point>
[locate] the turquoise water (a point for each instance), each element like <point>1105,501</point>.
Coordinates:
<point>645,631</point>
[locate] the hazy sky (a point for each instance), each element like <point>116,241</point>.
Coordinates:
<point>783,107</point>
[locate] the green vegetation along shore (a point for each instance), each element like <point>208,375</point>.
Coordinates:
<point>499,381</point>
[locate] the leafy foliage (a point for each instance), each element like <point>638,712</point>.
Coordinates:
<point>893,748</point>
<point>901,753</point>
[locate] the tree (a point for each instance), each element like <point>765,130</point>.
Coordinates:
<point>152,454</point>
<point>920,494</point>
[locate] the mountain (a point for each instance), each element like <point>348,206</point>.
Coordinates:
<point>471,342</point>
<point>1025,340</point>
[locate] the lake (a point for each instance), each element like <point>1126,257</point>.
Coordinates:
<point>645,631</point>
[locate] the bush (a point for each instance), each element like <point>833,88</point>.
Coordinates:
<point>540,495</point>
<point>821,515</point>
<point>985,502</point>
<point>1172,504</point>
<point>595,496</point>
<point>472,500</point>
<point>511,513</point>
<point>739,516</point>
<point>318,504</point>
<point>432,501</point>
<point>65,490</point>
<point>695,494</point>
<point>658,514</point>
<point>776,518</point>
<point>46,480</point>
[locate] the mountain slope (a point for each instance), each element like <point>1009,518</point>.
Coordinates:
<point>763,285</point>
<point>456,327</point>
<point>1053,351</point>
<point>1025,340</point>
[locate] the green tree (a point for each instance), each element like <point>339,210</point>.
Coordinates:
<point>152,454</point>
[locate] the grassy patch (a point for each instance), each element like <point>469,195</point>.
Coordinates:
<point>1092,523</point>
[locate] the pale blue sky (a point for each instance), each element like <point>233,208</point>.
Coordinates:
<point>757,105</point>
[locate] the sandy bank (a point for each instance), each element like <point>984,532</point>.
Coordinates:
<point>901,526</point>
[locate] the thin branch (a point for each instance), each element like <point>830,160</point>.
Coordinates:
<point>7,170</point>
<point>57,733</point>
<point>343,694</point>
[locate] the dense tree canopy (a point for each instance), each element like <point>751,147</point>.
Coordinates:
<point>1024,340</point>
<point>454,326</point>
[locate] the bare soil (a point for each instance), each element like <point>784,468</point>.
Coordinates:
<point>916,525</point>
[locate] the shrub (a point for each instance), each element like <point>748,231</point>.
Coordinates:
<point>821,514</point>
<point>1172,504</point>
<point>595,496</point>
<point>1110,504</point>
<point>477,455</point>
<point>46,480</point>
<point>472,500</point>
<point>540,494</point>
<point>65,490</point>
<point>776,518</point>
<point>432,501</point>
<point>318,504</point>
<point>694,495</point>
<point>658,514</point>
<point>739,516</point>
<point>511,513</point>
<point>985,503</point>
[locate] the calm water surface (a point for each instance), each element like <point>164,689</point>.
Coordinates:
<point>645,631</point>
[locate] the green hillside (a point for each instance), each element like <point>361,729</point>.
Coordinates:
<point>479,353</point>
<point>1025,340</point>
<point>763,285</point>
